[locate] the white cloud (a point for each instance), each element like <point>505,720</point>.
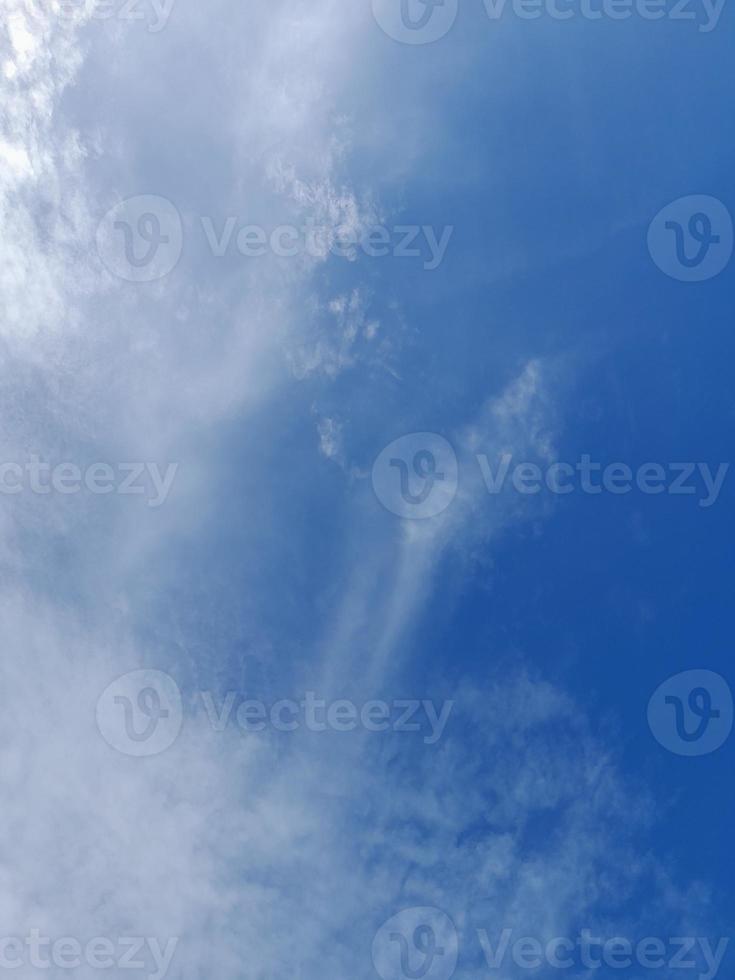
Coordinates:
<point>266,855</point>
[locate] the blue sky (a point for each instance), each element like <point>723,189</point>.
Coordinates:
<point>274,565</point>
